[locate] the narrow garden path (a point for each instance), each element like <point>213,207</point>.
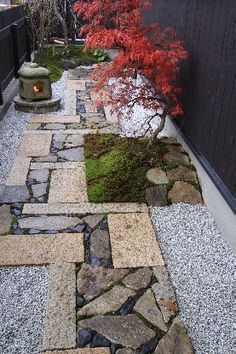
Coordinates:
<point>96,271</point>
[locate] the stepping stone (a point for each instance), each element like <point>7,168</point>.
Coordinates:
<point>5,219</point>
<point>82,351</point>
<point>100,244</point>
<point>93,220</point>
<point>56,165</point>
<point>175,341</point>
<point>133,241</point>
<point>12,194</point>
<point>74,154</point>
<point>19,172</point>
<point>108,302</point>
<point>60,321</point>
<point>147,307</point>
<point>176,157</point>
<point>175,148</point>
<point>68,186</point>
<point>182,174</point>
<point>156,196</point>
<point>128,331</point>
<point>41,249</point>
<point>139,279</point>
<point>40,118</point>
<point>49,222</point>
<point>157,176</point>
<point>55,126</point>
<point>40,175</point>
<point>183,192</point>
<point>84,208</point>
<point>91,280</point>
<point>35,144</point>
<point>39,190</point>
<point>33,126</point>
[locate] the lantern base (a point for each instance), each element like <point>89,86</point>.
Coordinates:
<point>44,106</point>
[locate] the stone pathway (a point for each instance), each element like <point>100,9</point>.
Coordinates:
<point>108,290</point>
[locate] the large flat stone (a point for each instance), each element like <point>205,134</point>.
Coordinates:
<point>175,341</point>
<point>84,208</point>
<point>176,157</point>
<point>40,175</point>
<point>49,222</point>
<point>156,196</point>
<point>91,280</point>
<point>157,176</point>
<point>73,154</point>
<point>19,172</point>
<point>19,194</point>
<point>41,249</point>
<point>182,173</point>
<point>133,241</point>
<point>128,331</point>
<point>60,321</point>
<point>74,141</point>
<point>41,118</point>
<point>68,186</point>
<point>100,244</point>
<point>183,192</point>
<point>93,220</point>
<point>39,189</point>
<point>5,219</point>
<point>139,279</point>
<point>108,302</point>
<point>34,144</point>
<point>146,306</point>
<point>82,351</point>
<point>55,165</point>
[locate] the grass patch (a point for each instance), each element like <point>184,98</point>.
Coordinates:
<point>116,167</point>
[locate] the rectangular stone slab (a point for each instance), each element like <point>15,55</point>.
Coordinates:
<point>60,322</point>
<point>41,249</point>
<point>19,171</point>
<point>82,351</point>
<point>133,241</point>
<point>83,208</point>
<point>40,118</point>
<point>35,144</point>
<point>68,186</point>
<point>55,165</point>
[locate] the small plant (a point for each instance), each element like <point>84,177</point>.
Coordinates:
<point>100,54</point>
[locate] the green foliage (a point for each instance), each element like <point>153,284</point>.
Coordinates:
<point>100,54</point>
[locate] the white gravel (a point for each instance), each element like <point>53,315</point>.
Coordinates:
<point>13,126</point>
<point>23,294</point>
<point>201,266</point>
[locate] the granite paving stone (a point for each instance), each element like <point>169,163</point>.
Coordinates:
<point>35,144</point>
<point>176,157</point>
<point>128,331</point>
<point>54,126</point>
<point>73,154</point>
<point>133,241</point>
<point>56,165</point>
<point>91,280</point>
<point>111,301</point>
<point>49,222</point>
<point>5,219</point>
<point>40,175</point>
<point>100,244</point>
<point>183,192</point>
<point>19,172</point>
<point>41,249</point>
<point>68,186</point>
<point>13,194</point>
<point>39,189</point>
<point>40,118</point>
<point>157,176</point>
<point>82,351</point>
<point>60,321</point>
<point>93,220</point>
<point>74,140</point>
<point>33,126</point>
<point>147,307</point>
<point>182,173</point>
<point>156,196</point>
<point>139,279</point>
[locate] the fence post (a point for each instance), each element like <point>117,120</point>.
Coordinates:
<point>15,46</point>
<point>1,98</point>
<point>28,43</point>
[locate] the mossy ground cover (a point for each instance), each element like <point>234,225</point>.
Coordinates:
<point>116,167</point>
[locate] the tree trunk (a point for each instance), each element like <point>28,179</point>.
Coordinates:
<point>159,129</point>
<point>62,20</point>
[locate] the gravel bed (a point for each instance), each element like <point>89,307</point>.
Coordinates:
<point>13,126</point>
<point>23,294</point>
<point>201,266</point>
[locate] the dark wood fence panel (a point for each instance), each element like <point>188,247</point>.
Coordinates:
<point>208,29</point>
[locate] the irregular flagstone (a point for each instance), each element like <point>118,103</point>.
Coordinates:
<point>73,154</point>
<point>175,341</point>
<point>82,351</point>
<point>133,241</point>
<point>35,144</point>
<point>40,175</point>
<point>49,222</point>
<point>139,279</point>
<point>68,186</point>
<point>183,192</point>
<point>60,321</point>
<point>55,165</point>
<point>157,176</point>
<point>5,219</point>
<point>39,190</point>
<point>91,280</point>
<point>19,172</point>
<point>128,331</point>
<point>13,194</point>
<point>33,126</point>
<point>41,249</point>
<point>176,157</point>
<point>156,196</point>
<point>54,126</point>
<point>93,220</point>
<point>84,208</point>
<point>108,302</point>
<point>41,118</point>
<point>146,306</point>
<point>182,173</point>
<point>175,148</point>
<point>100,244</point>
<point>125,351</point>
<point>74,140</point>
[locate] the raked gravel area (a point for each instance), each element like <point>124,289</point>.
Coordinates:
<point>201,266</point>
<point>13,126</point>
<point>23,293</point>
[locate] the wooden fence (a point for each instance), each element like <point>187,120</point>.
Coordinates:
<point>208,29</point>
<point>14,45</point>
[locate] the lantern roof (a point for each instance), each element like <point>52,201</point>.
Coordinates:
<point>33,70</point>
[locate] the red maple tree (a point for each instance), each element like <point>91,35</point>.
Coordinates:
<point>153,53</point>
